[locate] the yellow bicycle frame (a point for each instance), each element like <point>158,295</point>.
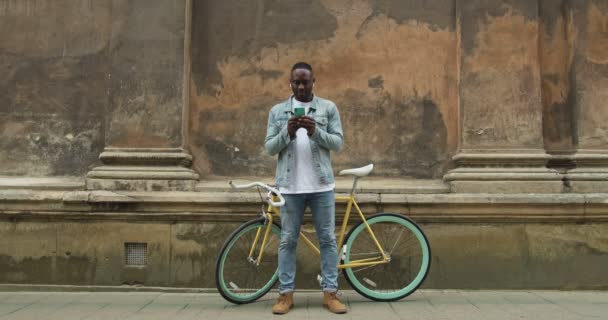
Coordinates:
<point>350,203</point>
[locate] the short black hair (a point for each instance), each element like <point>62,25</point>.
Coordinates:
<point>301,65</point>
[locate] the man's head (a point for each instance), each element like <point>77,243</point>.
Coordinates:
<point>302,81</point>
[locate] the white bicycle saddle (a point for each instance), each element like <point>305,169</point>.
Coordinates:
<point>359,172</point>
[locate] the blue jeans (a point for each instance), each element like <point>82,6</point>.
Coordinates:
<point>322,205</point>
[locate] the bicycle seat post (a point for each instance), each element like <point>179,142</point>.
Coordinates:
<point>355,180</point>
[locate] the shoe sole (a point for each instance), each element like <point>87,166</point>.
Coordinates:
<point>290,307</point>
<point>336,312</point>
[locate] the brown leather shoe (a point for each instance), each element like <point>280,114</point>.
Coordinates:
<point>284,303</point>
<point>331,302</point>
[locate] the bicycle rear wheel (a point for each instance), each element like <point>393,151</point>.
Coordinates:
<point>240,278</point>
<point>405,244</point>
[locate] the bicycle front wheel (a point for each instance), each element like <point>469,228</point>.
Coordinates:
<point>403,243</point>
<point>240,277</point>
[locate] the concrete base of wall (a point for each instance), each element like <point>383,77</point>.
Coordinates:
<point>183,254</point>
<point>491,241</point>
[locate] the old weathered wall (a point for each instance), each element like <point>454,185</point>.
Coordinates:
<point>500,75</point>
<point>557,42</point>
<point>574,56</point>
<point>390,66</point>
<point>591,65</point>
<point>502,256</point>
<point>54,62</point>
<point>414,80</point>
<point>78,75</point>
<point>516,74</point>
<point>147,67</point>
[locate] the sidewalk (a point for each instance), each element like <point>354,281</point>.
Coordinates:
<point>424,304</point>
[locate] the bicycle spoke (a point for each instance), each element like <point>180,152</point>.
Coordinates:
<point>400,234</point>
<point>367,267</point>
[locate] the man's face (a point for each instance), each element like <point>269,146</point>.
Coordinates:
<point>301,84</point>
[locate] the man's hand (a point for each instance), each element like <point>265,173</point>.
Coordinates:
<point>307,123</point>
<point>292,127</point>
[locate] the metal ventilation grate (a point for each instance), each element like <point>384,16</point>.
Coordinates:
<point>136,254</point>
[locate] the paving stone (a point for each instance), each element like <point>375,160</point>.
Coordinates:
<point>423,304</point>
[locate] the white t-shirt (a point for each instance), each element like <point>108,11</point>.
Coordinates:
<point>303,179</point>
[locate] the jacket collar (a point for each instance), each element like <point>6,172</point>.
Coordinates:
<point>288,105</point>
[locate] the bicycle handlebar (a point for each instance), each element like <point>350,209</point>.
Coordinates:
<point>265,186</point>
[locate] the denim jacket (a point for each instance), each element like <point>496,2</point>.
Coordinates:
<point>328,136</point>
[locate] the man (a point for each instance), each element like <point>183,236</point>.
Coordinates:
<point>305,177</point>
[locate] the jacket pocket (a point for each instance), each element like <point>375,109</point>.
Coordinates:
<point>280,124</point>
<point>321,122</point>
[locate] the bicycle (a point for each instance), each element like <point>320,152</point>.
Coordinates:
<point>379,269</point>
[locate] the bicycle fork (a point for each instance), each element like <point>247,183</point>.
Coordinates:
<point>256,260</point>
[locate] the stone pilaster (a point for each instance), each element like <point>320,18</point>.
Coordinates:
<point>589,19</point>
<point>146,130</point>
<point>501,147</point>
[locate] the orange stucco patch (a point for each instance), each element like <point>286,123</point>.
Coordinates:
<point>501,95</point>
<point>413,60</point>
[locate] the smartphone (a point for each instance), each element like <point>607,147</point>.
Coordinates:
<point>299,112</point>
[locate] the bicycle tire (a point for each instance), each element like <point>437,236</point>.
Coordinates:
<point>237,278</point>
<point>408,267</point>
